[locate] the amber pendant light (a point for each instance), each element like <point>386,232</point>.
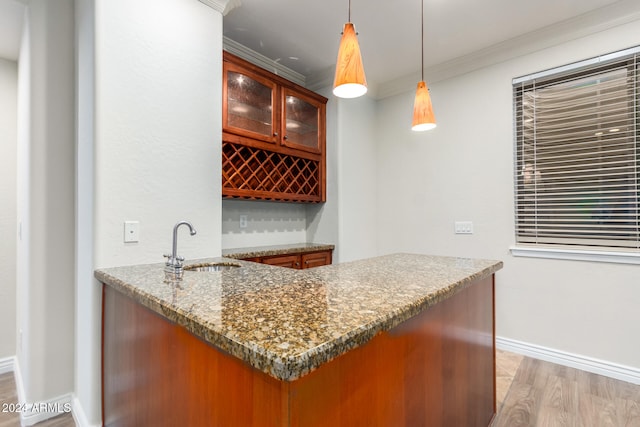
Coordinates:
<point>350,81</point>
<point>423,118</point>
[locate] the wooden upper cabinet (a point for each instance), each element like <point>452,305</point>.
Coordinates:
<point>273,136</point>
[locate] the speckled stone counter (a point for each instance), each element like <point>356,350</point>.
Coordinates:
<point>262,251</point>
<point>287,323</point>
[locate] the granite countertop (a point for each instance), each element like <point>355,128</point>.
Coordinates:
<point>260,251</point>
<point>288,322</point>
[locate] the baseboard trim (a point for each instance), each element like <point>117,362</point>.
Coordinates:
<point>46,409</point>
<point>7,364</point>
<point>595,366</point>
<point>43,410</point>
<point>79,416</point>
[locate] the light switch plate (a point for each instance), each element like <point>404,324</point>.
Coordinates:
<point>131,231</point>
<point>464,227</point>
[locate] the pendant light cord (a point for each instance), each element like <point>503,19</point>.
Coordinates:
<point>349,16</point>
<point>421,39</point>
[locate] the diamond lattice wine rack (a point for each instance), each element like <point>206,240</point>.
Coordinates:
<point>255,173</point>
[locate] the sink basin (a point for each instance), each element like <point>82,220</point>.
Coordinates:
<point>214,266</point>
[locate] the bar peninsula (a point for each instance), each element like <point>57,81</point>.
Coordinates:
<point>401,339</point>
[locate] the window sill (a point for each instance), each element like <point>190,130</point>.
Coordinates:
<point>577,255</point>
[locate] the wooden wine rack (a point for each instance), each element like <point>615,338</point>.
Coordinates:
<point>256,173</point>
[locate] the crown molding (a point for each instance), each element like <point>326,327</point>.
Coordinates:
<point>321,79</point>
<point>262,61</point>
<point>617,14</point>
<point>222,6</point>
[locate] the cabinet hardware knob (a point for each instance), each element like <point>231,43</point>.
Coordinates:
<point>286,137</point>
<point>275,134</point>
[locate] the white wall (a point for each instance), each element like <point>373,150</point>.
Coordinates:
<point>45,273</point>
<point>463,170</point>
<point>87,402</point>
<point>323,218</point>
<point>23,184</point>
<point>158,126</point>
<point>8,205</point>
<point>357,178</point>
<point>156,144</point>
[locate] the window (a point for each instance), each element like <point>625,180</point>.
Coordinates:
<point>577,155</point>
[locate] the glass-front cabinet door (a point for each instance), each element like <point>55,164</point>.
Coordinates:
<point>249,104</point>
<point>302,128</point>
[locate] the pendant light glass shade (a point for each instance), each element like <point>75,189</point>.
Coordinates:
<point>350,81</point>
<point>423,118</point>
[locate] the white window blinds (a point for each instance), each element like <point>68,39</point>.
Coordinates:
<point>577,155</point>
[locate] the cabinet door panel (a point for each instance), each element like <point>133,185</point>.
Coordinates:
<point>316,259</point>
<point>249,101</point>
<point>302,122</point>
<point>289,261</point>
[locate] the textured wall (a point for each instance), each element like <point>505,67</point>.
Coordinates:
<point>45,261</point>
<point>268,223</point>
<point>158,128</point>
<point>8,210</point>
<point>463,170</point>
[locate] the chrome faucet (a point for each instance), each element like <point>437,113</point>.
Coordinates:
<point>174,262</point>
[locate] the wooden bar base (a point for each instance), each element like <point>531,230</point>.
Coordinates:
<point>436,369</point>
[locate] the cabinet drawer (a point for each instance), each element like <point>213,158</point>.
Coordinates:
<point>296,260</point>
<point>289,261</point>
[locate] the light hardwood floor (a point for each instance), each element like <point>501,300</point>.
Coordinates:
<point>548,395</point>
<point>530,392</point>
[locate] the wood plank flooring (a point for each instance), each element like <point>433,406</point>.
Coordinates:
<point>530,392</point>
<point>548,395</point>
<point>507,365</point>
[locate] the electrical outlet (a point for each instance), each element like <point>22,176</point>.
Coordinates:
<point>131,231</point>
<point>243,221</point>
<point>464,227</point>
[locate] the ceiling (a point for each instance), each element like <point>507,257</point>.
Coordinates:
<point>304,35</point>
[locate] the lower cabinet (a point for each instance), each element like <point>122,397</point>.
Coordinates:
<point>297,261</point>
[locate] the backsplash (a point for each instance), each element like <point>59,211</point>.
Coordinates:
<point>256,223</point>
